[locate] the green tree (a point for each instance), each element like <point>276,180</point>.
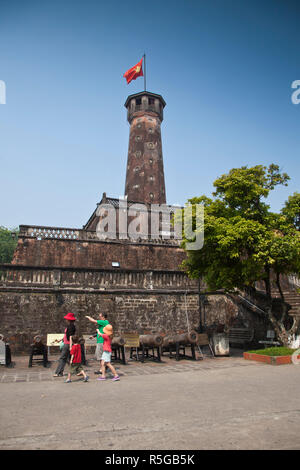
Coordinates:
<point>7,244</point>
<point>292,210</point>
<point>244,242</point>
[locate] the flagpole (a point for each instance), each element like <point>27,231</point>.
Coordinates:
<point>144,72</point>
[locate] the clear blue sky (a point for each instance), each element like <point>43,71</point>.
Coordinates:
<point>224,67</point>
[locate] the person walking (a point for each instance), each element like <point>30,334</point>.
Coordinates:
<point>76,361</point>
<point>106,355</point>
<point>101,323</point>
<point>67,340</point>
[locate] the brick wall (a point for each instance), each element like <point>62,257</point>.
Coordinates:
<point>35,300</point>
<point>96,254</point>
<point>25,314</point>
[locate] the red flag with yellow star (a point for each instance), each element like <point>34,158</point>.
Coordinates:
<point>135,72</point>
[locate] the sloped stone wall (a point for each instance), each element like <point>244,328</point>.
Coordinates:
<point>25,314</point>
<point>34,301</point>
<point>97,254</point>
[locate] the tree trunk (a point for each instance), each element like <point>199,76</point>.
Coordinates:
<point>285,336</point>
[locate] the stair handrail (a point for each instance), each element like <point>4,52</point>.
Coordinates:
<point>294,280</point>
<point>249,302</point>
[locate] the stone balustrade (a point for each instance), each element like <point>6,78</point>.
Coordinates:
<point>104,279</point>
<point>62,233</point>
<point>50,232</point>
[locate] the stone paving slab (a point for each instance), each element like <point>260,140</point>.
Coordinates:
<point>21,373</point>
<point>222,403</point>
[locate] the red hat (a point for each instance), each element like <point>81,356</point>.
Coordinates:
<point>70,316</point>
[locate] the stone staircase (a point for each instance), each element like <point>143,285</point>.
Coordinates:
<point>292,298</point>
<point>290,285</point>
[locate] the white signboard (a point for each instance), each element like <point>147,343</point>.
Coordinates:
<point>54,339</point>
<point>2,352</point>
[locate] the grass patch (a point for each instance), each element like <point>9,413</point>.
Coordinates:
<point>276,351</point>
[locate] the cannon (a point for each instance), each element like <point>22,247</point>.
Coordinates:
<point>151,341</point>
<point>148,342</point>
<point>37,340</point>
<point>176,342</point>
<point>183,339</point>
<point>118,341</point>
<point>38,349</point>
<point>118,349</point>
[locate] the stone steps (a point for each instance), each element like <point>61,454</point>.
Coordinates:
<point>292,298</point>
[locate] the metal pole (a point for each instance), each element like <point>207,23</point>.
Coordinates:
<point>200,307</point>
<point>144,72</point>
<point>186,314</point>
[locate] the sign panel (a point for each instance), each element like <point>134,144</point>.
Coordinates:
<point>203,339</point>
<point>132,340</point>
<point>54,339</point>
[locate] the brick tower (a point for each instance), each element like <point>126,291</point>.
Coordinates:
<point>145,180</point>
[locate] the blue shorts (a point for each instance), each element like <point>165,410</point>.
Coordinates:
<point>106,356</point>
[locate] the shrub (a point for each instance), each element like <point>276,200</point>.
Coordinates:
<point>275,351</point>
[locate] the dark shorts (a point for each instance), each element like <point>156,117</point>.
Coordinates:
<point>75,368</point>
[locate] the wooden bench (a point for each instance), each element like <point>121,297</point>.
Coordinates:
<point>240,335</point>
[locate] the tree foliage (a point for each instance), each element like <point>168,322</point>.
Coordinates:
<point>291,210</point>
<point>244,242</point>
<point>7,244</point>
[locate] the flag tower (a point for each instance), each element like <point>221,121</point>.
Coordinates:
<point>145,181</point>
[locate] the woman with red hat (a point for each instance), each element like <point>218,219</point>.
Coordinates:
<point>65,353</point>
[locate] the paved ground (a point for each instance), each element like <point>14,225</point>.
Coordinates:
<point>220,403</point>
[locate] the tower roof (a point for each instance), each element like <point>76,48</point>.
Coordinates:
<point>143,93</point>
